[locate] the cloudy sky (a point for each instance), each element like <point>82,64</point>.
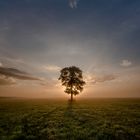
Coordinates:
<point>39,37</point>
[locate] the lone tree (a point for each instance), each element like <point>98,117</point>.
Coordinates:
<point>72,79</point>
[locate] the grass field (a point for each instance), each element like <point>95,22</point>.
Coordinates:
<point>95,119</point>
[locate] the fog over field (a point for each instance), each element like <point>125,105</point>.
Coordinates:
<point>42,119</point>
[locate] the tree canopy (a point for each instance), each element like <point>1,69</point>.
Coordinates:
<point>72,79</point>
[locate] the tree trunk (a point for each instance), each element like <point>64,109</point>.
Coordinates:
<point>71,93</point>
<point>71,97</point>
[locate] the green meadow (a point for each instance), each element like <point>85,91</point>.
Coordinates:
<point>90,119</point>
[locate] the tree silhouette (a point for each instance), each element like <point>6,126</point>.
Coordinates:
<point>72,79</point>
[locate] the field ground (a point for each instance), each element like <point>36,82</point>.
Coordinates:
<point>95,119</point>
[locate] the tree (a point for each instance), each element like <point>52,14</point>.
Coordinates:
<point>72,79</point>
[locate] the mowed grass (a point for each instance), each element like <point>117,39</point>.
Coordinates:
<point>94,119</point>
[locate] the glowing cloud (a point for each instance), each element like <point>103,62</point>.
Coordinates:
<point>126,63</point>
<point>52,68</point>
<point>0,64</point>
<point>73,3</point>
<point>6,80</point>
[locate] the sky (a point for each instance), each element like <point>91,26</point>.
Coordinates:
<point>40,37</point>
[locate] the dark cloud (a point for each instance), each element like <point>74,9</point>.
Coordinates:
<point>17,74</point>
<point>104,78</point>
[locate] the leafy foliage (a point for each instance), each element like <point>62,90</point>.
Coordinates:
<point>72,78</point>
